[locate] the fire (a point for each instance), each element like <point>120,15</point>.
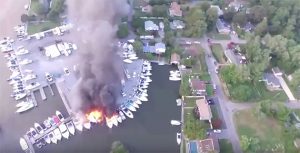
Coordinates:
<point>95,116</point>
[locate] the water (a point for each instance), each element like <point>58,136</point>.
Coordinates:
<point>149,131</point>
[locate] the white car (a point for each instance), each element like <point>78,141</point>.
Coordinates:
<point>49,77</point>
<point>217,131</point>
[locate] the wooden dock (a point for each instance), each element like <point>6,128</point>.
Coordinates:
<point>42,92</point>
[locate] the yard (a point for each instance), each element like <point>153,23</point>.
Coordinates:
<point>43,26</point>
<point>218,36</point>
<point>190,102</point>
<point>225,146</point>
<point>193,127</point>
<point>218,53</point>
<point>209,90</point>
<point>263,134</point>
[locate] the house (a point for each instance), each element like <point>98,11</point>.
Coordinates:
<point>220,12</point>
<point>198,87</point>
<point>203,109</point>
<point>175,59</point>
<point>147,9</point>
<point>192,50</point>
<point>177,24</point>
<point>208,145</point>
<point>222,27</point>
<point>158,48</point>
<point>276,71</point>
<point>175,9</point>
<point>271,81</point>
<point>151,26</point>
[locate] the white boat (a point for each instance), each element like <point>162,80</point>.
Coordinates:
<point>20,96</point>
<point>29,77</point>
<point>138,102</point>
<point>127,113</point>
<point>114,120</point>
<point>47,139</point>
<point>148,73</point>
<point>134,104</point>
<point>57,134</point>
<point>144,94</point>
<point>178,138</point>
<point>25,108</point>
<point>133,58</point>
<point>109,122</point>
<point>145,83</point>
<point>127,61</point>
<point>71,127</point>
<point>143,86</point>
<point>25,62</point>
<point>175,122</point>
<point>174,78</point>
<point>22,103</point>
<point>142,98</point>
<point>52,138</point>
<point>22,52</point>
<point>64,131</point>
<point>176,71</point>
<point>179,102</point>
<point>87,125</point>
<point>119,118</point>
<point>78,125</point>
<point>59,115</point>
<point>38,127</point>
<point>122,115</point>
<point>32,86</point>
<point>15,74</point>
<point>130,107</point>
<point>23,144</point>
<point>175,75</point>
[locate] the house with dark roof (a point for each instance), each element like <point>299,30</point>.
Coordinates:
<point>198,87</point>
<point>271,81</point>
<point>175,59</point>
<point>175,9</point>
<point>222,27</point>
<point>158,48</point>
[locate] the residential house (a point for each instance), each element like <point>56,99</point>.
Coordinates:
<point>151,26</point>
<point>208,145</point>
<point>219,10</point>
<point>222,27</point>
<point>198,87</point>
<point>175,59</point>
<point>177,24</point>
<point>175,9</point>
<point>158,48</point>
<point>204,109</point>
<point>271,81</point>
<point>276,71</point>
<point>192,50</point>
<point>147,9</point>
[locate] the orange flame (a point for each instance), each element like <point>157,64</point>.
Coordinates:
<point>95,116</point>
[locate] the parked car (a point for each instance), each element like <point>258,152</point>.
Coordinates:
<point>217,131</point>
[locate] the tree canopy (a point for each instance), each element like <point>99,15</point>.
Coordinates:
<point>123,31</point>
<point>118,147</point>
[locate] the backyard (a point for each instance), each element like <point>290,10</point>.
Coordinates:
<point>264,134</point>
<point>215,35</point>
<point>193,127</point>
<point>42,26</point>
<point>218,53</point>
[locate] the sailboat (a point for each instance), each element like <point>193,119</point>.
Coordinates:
<point>175,122</point>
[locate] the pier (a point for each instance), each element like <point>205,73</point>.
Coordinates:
<point>42,92</point>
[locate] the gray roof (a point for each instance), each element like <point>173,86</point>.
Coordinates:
<point>271,78</point>
<point>221,25</point>
<point>150,25</point>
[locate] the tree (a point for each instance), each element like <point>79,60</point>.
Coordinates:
<point>118,147</point>
<point>137,22</point>
<point>241,92</point>
<point>169,38</point>
<point>160,10</point>
<point>196,24</point>
<point>122,31</point>
<point>257,14</point>
<point>262,27</point>
<point>245,142</point>
<point>53,15</point>
<point>212,16</point>
<point>228,14</point>
<point>138,46</point>
<point>39,9</point>
<point>57,6</point>
<point>240,18</point>
<point>205,6</point>
<point>24,18</point>
<point>158,2</point>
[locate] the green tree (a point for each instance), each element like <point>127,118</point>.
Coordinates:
<point>118,147</point>
<point>160,11</point>
<point>212,16</point>
<point>196,24</point>
<point>262,27</point>
<point>39,9</point>
<point>240,18</point>
<point>205,6</point>
<point>228,14</point>
<point>137,22</point>
<point>138,46</point>
<point>245,142</point>
<point>57,5</point>
<point>169,38</point>
<point>159,2</point>
<point>257,14</point>
<point>241,92</point>
<point>122,31</point>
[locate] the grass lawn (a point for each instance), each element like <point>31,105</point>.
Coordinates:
<point>194,128</point>
<point>218,36</point>
<point>225,146</point>
<point>218,53</point>
<point>267,130</point>
<point>43,26</point>
<point>214,111</point>
<point>209,90</point>
<point>33,7</point>
<point>264,94</point>
<point>190,102</point>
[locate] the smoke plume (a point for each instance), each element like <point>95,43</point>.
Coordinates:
<point>100,68</point>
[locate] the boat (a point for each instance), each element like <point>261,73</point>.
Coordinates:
<point>133,58</point>
<point>29,77</point>
<point>64,131</point>
<point>38,127</point>
<point>138,102</point>
<point>109,122</point>
<point>23,144</point>
<point>122,115</point>
<point>175,122</point>
<point>15,74</point>
<point>56,119</point>
<point>87,125</point>
<point>22,52</point>
<point>47,123</point>
<point>60,116</point>
<point>119,118</point>
<point>114,120</point>
<point>71,127</point>
<point>145,83</point>
<point>127,61</point>
<point>52,138</point>
<point>51,121</point>
<point>32,86</point>
<point>178,138</point>
<point>78,125</point>
<point>22,103</point>
<point>130,107</point>
<point>127,113</point>
<point>174,78</point>
<point>20,96</point>
<point>25,62</point>
<point>134,104</point>
<point>25,108</point>
<point>179,102</point>
<point>57,134</point>
<point>47,139</point>
<point>142,98</point>
<point>33,132</point>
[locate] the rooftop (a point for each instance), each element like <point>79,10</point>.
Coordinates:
<point>206,146</point>
<point>197,84</point>
<point>204,109</point>
<point>271,79</point>
<point>175,9</point>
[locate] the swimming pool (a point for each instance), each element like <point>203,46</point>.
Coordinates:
<point>193,147</point>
